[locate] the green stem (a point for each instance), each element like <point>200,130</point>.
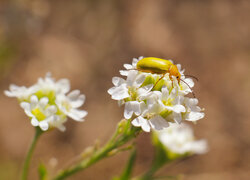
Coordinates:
<point>160,160</point>
<point>129,167</point>
<point>29,154</point>
<point>119,139</point>
<point>149,174</point>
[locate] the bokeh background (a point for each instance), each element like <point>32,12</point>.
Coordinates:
<point>88,41</point>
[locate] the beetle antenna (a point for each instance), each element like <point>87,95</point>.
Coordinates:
<point>192,77</point>
<point>189,87</point>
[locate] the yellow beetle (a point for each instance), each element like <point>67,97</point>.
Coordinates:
<point>160,66</point>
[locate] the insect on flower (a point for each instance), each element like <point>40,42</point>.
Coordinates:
<point>161,66</point>
<point>154,107</point>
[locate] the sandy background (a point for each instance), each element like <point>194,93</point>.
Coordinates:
<point>88,41</point>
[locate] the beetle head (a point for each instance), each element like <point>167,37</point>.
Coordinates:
<point>173,71</point>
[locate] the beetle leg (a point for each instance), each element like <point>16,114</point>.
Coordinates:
<point>159,80</point>
<point>170,77</point>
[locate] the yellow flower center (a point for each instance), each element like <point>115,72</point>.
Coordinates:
<point>38,114</point>
<point>51,95</point>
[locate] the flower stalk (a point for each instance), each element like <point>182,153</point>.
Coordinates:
<point>129,167</point>
<point>124,133</point>
<point>29,154</point>
<point>160,159</point>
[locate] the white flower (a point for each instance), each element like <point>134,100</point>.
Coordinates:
<point>40,112</point>
<point>20,92</point>
<point>128,92</point>
<point>48,84</point>
<point>69,104</point>
<point>130,66</point>
<point>47,104</point>
<point>193,111</point>
<point>156,122</point>
<point>180,139</point>
<point>153,106</point>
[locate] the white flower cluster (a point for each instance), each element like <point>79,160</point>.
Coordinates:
<point>47,104</point>
<point>179,139</point>
<point>153,106</point>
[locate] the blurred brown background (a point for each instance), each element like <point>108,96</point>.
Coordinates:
<point>88,41</point>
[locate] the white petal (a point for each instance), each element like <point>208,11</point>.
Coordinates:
<point>189,81</point>
<point>141,122</point>
<point>154,107</point>
<point>176,108</point>
<point>112,90</point>
<point>64,85</point>
<point>194,116</point>
<point>140,58</point>
<point>158,123</point>
<point>14,87</point>
<point>43,102</point>
<point>145,125</point>
<point>143,106</point>
<point>165,92</point>
<point>117,81</point>
<point>33,101</point>
<point>139,80</point>
<point>25,106</point>
<point>135,61</point>
<point>77,115</point>
<point>124,72</point>
<point>177,117</point>
<point>128,66</point>
<point>130,108</point>
<point>179,67</point>
<point>74,116</point>
<point>9,93</point>
<point>50,119</point>
<point>28,113</point>
<point>136,107</point>
<point>136,122</point>
<point>191,101</point>
<point>73,95</point>
<point>34,122</point>
<point>119,93</point>
<point>61,128</point>
<point>143,91</point>
<point>148,87</point>
<point>79,102</point>
<point>51,110</point>
<point>179,108</point>
<point>128,112</point>
<point>131,77</point>
<point>81,113</point>
<point>27,110</point>
<point>44,125</point>
<point>199,147</point>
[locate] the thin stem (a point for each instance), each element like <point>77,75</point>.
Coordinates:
<point>29,154</point>
<point>115,142</point>
<point>160,159</point>
<point>149,174</point>
<point>129,167</point>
